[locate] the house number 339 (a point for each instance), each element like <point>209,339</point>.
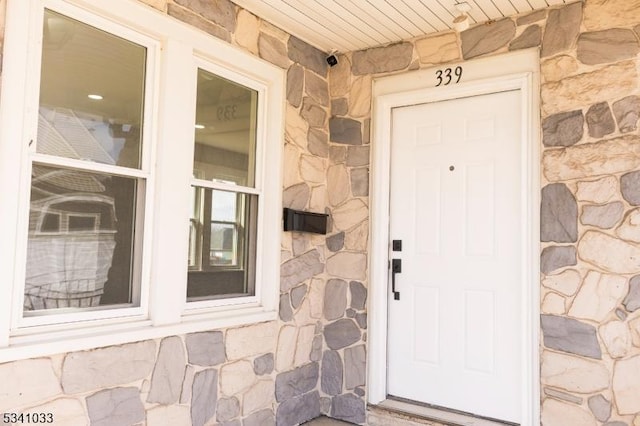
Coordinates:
<point>447,76</point>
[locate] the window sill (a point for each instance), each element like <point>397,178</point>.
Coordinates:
<point>50,343</point>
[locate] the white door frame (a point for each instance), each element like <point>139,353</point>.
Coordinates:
<point>514,71</point>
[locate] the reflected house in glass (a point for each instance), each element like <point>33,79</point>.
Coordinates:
<point>71,222</point>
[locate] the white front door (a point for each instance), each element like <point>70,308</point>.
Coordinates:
<point>454,337</point>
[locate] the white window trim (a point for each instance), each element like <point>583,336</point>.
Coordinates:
<point>141,264</point>
<point>181,49</point>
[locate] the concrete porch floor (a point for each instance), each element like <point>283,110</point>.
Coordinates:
<point>400,413</point>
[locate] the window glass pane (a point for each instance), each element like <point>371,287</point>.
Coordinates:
<point>224,131</point>
<point>224,207</point>
<point>81,240</point>
<point>222,245</point>
<point>91,94</point>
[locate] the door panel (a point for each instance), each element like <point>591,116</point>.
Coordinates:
<point>454,335</point>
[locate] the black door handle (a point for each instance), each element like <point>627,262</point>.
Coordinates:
<point>396,268</point>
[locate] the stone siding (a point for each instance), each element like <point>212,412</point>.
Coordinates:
<point>312,360</point>
<point>263,374</point>
<point>3,7</point>
<point>590,188</point>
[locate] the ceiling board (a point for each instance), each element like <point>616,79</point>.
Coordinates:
<point>522,5</point>
<point>432,13</point>
<point>354,16</point>
<point>538,4</point>
<point>347,25</point>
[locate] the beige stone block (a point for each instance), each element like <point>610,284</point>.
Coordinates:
<point>337,184</point>
<point>187,384</point>
<point>360,97</point>
<point>195,19</point>
<point>319,241</point>
<point>169,415</point>
<point>609,83</point>
<point>609,253</point>
<point>573,374</point>
<point>357,238</point>
<point>146,386</point>
<point>347,265</point>
<point>66,412</point>
<point>272,30</point>
<point>304,345</point>
<point>598,296</point>
<point>296,196</point>
<point>251,340</point>
<point>634,327</point>
<point>605,14</point>
<point>558,68</point>
<point>616,338</point>
<point>598,191</point>
<point>340,77</point>
<point>553,304</point>
<point>318,200</point>
<point>296,127</point>
<point>101,368</point>
<point>27,382</point>
<point>312,169</point>
<point>285,255</point>
<point>273,50</point>
<point>236,377</point>
<point>317,88</point>
<point>303,314</point>
<point>349,214</point>
<point>157,4</point>
<point>291,171</point>
<point>567,282</point>
<point>286,242</point>
<point>592,159</point>
<point>316,298</point>
<point>286,350</point>
<point>3,7</point>
<point>260,396</point>
<point>626,386</point>
<point>247,31</point>
<point>438,49</point>
<point>629,229</point>
<point>556,413</point>
<point>56,362</point>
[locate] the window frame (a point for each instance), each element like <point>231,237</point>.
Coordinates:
<point>204,234</point>
<point>166,165</point>
<point>143,175</point>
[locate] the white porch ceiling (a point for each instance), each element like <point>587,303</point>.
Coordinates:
<point>346,25</point>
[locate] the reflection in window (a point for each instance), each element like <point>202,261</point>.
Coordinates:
<point>81,235</point>
<point>82,223</point>
<point>222,244</point>
<point>225,134</point>
<point>222,235</point>
<point>91,94</point>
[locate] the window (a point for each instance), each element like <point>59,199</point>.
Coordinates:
<point>91,112</point>
<point>225,202</point>
<point>121,134</point>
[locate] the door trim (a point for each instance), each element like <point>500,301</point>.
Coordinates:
<point>519,71</point>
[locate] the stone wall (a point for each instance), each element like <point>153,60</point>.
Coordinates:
<point>590,188</point>
<point>310,361</point>
<point>3,6</point>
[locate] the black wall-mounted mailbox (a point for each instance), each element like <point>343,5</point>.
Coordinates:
<point>296,220</point>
